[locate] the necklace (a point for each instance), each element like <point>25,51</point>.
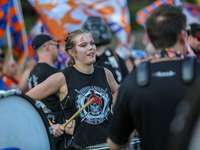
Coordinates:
<point>169,53</point>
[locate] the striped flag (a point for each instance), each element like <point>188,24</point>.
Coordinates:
<point>194,10</point>
<point>3,18</point>
<point>8,14</point>
<point>191,11</point>
<point>142,14</point>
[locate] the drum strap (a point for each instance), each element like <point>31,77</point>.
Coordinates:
<point>143,71</point>
<point>70,143</point>
<point>188,69</point>
<point>142,74</point>
<point>54,117</point>
<point>48,112</point>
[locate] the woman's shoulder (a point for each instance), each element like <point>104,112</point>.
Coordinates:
<point>102,70</point>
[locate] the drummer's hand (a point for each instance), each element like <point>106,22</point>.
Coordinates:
<point>58,130</point>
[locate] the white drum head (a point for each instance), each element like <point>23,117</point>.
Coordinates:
<point>22,125</point>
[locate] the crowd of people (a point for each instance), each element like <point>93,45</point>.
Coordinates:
<point>142,100</point>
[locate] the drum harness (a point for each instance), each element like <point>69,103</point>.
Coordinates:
<point>54,117</point>
<point>70,143</point>
<point>187,68</point>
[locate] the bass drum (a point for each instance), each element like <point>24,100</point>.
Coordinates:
<point>23,123</point>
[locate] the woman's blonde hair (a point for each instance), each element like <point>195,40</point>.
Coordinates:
<point>70,43</point>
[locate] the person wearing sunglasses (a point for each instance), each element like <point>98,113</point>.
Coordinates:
<point>47,48</point>
<point>194,39</point>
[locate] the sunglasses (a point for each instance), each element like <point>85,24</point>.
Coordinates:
<point>198,36</point>
<point>198,32</point>
<point>54,44</point>
<point>188,29</point>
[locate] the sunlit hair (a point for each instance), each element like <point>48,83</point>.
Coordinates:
<point>70,43</point>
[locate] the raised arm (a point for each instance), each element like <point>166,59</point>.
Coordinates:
<point>51,85</point>
<point>6,62</point>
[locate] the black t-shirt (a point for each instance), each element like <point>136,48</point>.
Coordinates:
<point>92,123</point>
<point>40,73</point>
<point>149,109</point>
<point>114,63</point>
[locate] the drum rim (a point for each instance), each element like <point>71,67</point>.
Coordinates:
<point>44,118</point>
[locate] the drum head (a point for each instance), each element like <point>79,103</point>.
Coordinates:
<point>23,124</point>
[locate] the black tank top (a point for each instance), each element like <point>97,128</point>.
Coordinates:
<point>40,73</point>
<point>92,123</point>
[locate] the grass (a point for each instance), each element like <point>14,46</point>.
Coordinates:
<point>29,21</point>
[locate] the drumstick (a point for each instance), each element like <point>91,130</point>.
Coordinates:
<point>76,114</point>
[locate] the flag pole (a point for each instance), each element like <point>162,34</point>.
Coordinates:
<point>9,42</point>
<point>17,3</point>
<point>19,13</point>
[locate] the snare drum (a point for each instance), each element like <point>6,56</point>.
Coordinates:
<point>23,124</point>
<point>103,146</point>
<point>134,145</point>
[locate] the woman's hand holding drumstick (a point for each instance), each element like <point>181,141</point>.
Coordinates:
<point>58,129</point>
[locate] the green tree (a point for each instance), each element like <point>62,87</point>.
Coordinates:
<point>191,1</point>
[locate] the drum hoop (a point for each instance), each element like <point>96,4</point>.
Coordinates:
<point>102,146</point>
<point>15,92</point>
<point>98,146</point>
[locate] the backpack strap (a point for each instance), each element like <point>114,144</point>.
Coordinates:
<point>142,73</point>
<point>114,54</point>
<point>188,69</point>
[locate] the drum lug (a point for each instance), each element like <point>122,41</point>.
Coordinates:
<point>10,92</point>
<point>37,104</point>
<point>50,130</point>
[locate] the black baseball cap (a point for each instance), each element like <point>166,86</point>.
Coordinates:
<point>42,38</point>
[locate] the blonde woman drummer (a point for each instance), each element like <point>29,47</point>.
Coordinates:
<point>76,85</point>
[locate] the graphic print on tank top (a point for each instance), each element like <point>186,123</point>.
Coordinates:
<point>98,110</point>
<point>32,81</point>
